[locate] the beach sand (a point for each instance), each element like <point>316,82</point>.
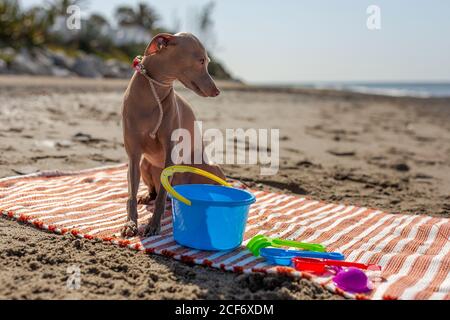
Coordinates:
<point>382,152</point>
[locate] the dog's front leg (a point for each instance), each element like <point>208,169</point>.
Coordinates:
<point>134,176</point>
<point>154,225</point>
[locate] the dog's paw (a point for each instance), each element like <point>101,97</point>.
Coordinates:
<point>152,229</point>
<point>129,230</point>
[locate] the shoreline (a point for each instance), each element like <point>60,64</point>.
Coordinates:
<point>45,82</point>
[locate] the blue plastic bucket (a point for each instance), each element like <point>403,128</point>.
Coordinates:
<point>209,217</point>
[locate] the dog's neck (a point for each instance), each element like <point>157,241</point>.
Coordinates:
<point>146,68</point>
<point>161,88</point>
<point>163,91</point>
<point>155,69</point>
<point>151,69</point>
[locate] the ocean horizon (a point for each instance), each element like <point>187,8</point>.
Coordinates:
<point>395,89</point>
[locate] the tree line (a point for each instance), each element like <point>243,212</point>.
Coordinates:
<point>32,27</point>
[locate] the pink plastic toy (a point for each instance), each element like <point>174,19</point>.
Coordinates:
<point>353,280</point>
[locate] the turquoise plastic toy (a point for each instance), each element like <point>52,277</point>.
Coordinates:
<point>284,257</point>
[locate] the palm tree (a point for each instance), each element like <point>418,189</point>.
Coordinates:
<point>10,21</point>
<point>36,22</point>
<point>206,22</point>
<point>98,20</point>
<point>23,28</point>
<point>59,7</point>
<point>144,16</point>
<point>205,25</point>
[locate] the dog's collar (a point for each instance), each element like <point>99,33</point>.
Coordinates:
<point>139,67</point>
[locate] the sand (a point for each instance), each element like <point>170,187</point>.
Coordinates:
<point>382,152</point>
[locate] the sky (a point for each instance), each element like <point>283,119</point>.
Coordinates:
<point>300,41</point>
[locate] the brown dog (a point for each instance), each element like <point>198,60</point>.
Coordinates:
<point>148,124</point>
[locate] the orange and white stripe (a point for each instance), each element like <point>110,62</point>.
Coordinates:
<point>414,251</point>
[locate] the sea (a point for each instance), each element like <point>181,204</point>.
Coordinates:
<point>397,89</point>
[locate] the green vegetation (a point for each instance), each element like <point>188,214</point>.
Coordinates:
<point>34,28</point>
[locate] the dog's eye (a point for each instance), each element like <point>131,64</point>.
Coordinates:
<point>202,61</point>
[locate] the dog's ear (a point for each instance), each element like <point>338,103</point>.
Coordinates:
<point>159,42</point>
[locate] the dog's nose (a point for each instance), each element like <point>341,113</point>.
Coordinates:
<point>216,92</point>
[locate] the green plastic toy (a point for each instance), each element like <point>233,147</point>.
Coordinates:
<point>258,242</point>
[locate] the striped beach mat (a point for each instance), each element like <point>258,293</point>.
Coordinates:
<point>412,250</point>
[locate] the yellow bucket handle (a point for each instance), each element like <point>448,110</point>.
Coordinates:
<point>169,171</point>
